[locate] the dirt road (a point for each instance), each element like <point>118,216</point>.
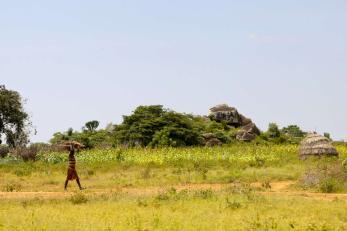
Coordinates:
<point>282,188</point>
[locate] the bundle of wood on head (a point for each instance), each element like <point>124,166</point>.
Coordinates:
<point>68,145</point>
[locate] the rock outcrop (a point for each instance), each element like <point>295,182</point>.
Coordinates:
<point>224,113</point>
<point>248,132</point>
<point>211,140</point>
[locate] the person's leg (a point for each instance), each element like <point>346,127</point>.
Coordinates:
<point>79,184</point>
<point>66,182</point>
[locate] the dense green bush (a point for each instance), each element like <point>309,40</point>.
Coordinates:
<point>175,137</point>
<point>290,134</point>
<point>155,126</point>
<point>293,133</point>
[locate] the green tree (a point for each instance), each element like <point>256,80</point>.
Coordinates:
<point>91,126</point>
<point>14,121</point>
<point>273,131</point>
<point>140,127</point>
<point>293,134</point>
<point>88,139</point>
<point>293,131</point>
<point>156,126</point>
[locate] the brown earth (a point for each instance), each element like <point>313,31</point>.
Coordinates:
<point>282,188</point>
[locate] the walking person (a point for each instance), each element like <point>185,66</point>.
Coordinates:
<point>71,171</point>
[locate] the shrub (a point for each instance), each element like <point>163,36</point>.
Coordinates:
<point>294,133</point>
<point>204,194</point>
<point>327,176</point>
<point>78,198</point>
<point>12,187</point>
<point>172,194</point>
<point>26,153</point>
<point>4,150</point>
<point>273,131</point>
<point>120,156</point>
<point>166,195</point>
<point>142,203</point>
<point>175,137</point>
<point>330,185</point>
<point>232,204</point>
<point>344,165</point>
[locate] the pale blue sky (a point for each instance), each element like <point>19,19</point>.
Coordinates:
<point>276,61</point>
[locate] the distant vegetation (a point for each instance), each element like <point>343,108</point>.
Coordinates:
<point>154,126</point>
<point>148,126</point>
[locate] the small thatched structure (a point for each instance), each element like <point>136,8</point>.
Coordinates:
<point>316,145</point>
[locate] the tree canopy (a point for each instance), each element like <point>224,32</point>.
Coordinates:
<point>156,126</point>
<point>13,118</point>
<point>91,126</point>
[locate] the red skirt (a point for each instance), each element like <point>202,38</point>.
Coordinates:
<point>72,174</point>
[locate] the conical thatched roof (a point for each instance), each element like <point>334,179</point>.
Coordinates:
<point>317,145</point>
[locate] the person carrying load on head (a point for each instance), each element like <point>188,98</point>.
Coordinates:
<point>71,171</point>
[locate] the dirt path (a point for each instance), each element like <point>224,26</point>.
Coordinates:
<point>282,188</point>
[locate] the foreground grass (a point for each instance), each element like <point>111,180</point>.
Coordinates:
<point>201,210</point>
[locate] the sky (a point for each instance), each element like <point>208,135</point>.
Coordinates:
<point>275,61</point>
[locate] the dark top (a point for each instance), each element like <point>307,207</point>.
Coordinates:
<point>72,160</point>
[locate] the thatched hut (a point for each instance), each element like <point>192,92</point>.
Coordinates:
<point>316,145</point>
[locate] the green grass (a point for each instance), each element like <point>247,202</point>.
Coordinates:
<point>166,166</point>
<point>112,169</point>
<point>201,210</point>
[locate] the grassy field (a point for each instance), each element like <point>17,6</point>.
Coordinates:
<point>236,187</point>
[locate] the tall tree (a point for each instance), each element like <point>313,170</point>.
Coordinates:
<point>13,119</point>
<point>92,125</point>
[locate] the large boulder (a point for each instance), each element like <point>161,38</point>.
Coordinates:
<point>251,128</point>
<point>227,114</point>
<point>248,132</point>
<point>224,113</point>
<point>244,120</point>
<point>245,136</point>
<point>211,140</point>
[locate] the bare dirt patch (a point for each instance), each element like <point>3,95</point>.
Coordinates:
<point>282,188</point>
